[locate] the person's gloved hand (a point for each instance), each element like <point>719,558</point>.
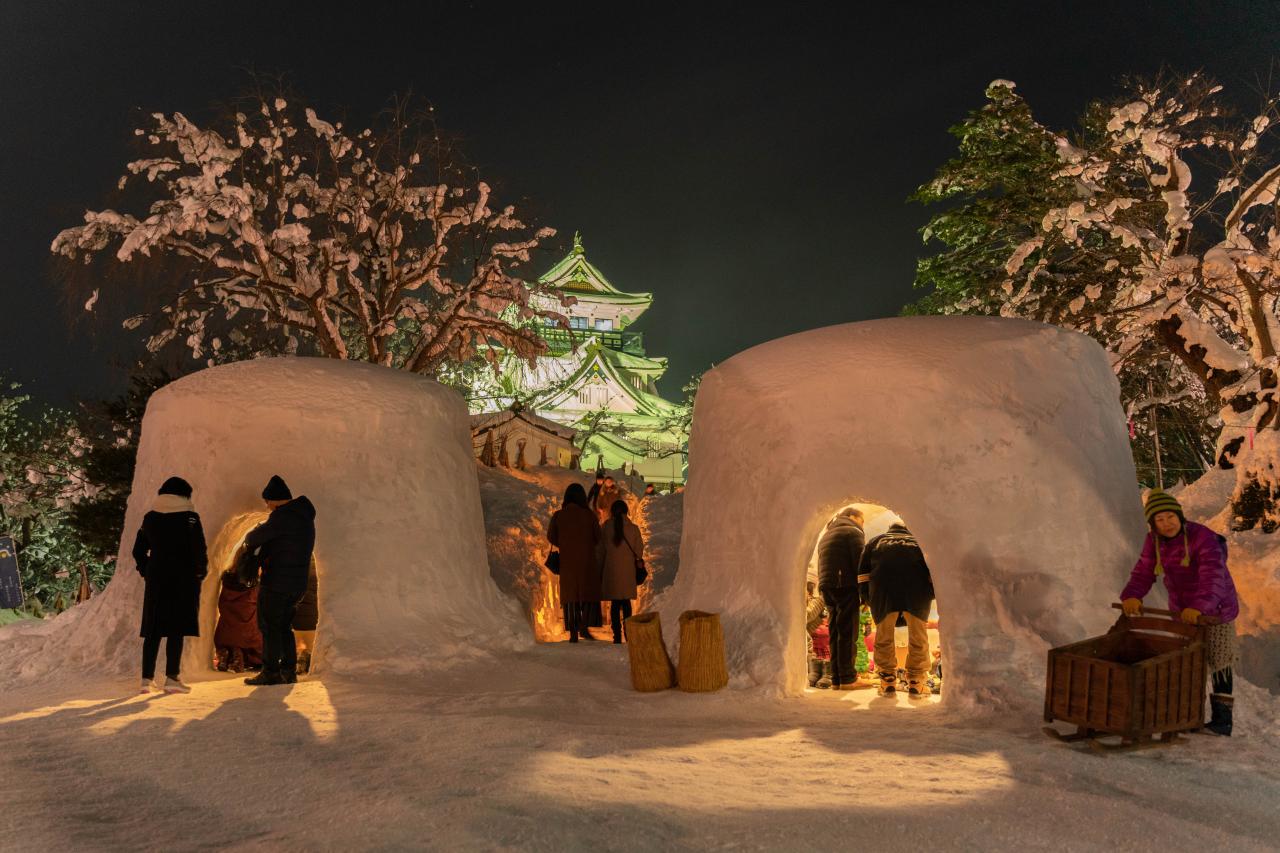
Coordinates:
<point>1131,606</point>
<point>1190,615</point>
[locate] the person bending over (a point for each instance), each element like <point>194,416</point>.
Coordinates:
<point>1193,560</point>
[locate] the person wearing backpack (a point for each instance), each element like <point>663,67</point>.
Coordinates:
<point>1193,561</point>
<point>623,559</point>
<point>895,581</point>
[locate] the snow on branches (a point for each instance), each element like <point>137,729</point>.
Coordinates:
<point>1143,255</point>
<point>369,244</point>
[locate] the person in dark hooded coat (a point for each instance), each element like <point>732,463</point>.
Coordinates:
<point>896,582</point>
<point>170,554</point>
<point>282,547</point>
<point>839,552</point>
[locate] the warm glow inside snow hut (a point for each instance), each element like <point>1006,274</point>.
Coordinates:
<point>876,521</point>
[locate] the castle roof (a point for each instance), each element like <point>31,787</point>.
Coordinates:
<point>579,277</point>
<point>597,359</point>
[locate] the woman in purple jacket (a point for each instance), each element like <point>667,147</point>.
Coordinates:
<point>1193,560</point>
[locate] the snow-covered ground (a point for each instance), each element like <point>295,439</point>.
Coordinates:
<point>550,749</point>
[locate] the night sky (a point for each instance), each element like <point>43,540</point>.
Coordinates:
<point>750,170</point>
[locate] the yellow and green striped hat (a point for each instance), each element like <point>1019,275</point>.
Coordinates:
<point>1158,500</point>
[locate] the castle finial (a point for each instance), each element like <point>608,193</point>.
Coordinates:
<point>577,243</point>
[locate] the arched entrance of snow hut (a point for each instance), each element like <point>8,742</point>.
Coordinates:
<point>222,547</point>
<point>875,522</point>
<point>1003,444</point>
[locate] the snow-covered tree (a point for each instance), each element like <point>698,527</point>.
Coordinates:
<point>1163,271</point>
<point>365,244</point>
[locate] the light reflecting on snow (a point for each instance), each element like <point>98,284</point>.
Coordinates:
<point>231,697</point>
<point>36,713</point>
<point>311,700</point>
<point>748,773</point>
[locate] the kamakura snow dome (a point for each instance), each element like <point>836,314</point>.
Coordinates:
<point>1001,442</point>
<point>386,458</point>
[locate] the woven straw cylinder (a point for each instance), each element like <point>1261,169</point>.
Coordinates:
<point>702,667</point>
<point>651,667</point>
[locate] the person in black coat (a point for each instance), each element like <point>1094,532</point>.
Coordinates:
<point>896,582</point>
<point>839,552</point>
<point>169,552</point>
<point>281,547</point>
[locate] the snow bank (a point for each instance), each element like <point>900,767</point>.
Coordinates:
<point>663,525</point>
<point>1001,443</point>
<point>386,458</point>
<point>517,507</point>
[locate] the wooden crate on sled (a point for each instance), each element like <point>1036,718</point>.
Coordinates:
<point>1142,679</point>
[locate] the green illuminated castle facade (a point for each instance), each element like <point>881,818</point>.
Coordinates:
<point>597,378</point>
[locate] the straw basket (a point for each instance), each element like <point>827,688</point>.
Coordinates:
<point>701,668</point>
<point>651,667</point>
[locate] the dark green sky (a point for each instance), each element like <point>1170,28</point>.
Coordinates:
<point>748,169</point>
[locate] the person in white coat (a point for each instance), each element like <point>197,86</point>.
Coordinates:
<point>623,550</point>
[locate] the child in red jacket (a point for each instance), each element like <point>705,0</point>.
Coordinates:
<point>237,637</point>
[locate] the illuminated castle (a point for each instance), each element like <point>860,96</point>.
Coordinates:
<point>596,376</point>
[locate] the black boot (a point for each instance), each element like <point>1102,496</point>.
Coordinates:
<point>815,671</point>
<point>1220,722</point>
<point>265,678</point>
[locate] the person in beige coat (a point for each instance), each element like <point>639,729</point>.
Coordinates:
<point>623,546</point>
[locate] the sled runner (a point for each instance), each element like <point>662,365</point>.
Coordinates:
<point>1143,681</point>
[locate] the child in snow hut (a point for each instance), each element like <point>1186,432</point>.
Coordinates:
<point>1193,560</point>
<point>817,638</point>
<point>237,638</point>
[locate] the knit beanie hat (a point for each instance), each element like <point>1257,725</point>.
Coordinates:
<point>176,486</point>
<point>276,490</point>
<point>1158,501</point>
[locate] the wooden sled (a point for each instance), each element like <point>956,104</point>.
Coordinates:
<point>1143,682</point>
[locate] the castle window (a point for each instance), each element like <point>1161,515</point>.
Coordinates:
<point>578,323</point>
<point>604,325</point>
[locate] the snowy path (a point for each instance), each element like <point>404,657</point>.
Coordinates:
<point>553,751</point>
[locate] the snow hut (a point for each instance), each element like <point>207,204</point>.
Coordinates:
<point>385,456</point>
<point>1002,444</point>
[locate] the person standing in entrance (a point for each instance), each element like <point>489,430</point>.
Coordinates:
<point>623,549</point>
<point>839,552</point>
<point>896,582</point>
<point>574,531</point>
<point>281,546</point>
<point>170,554</point>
